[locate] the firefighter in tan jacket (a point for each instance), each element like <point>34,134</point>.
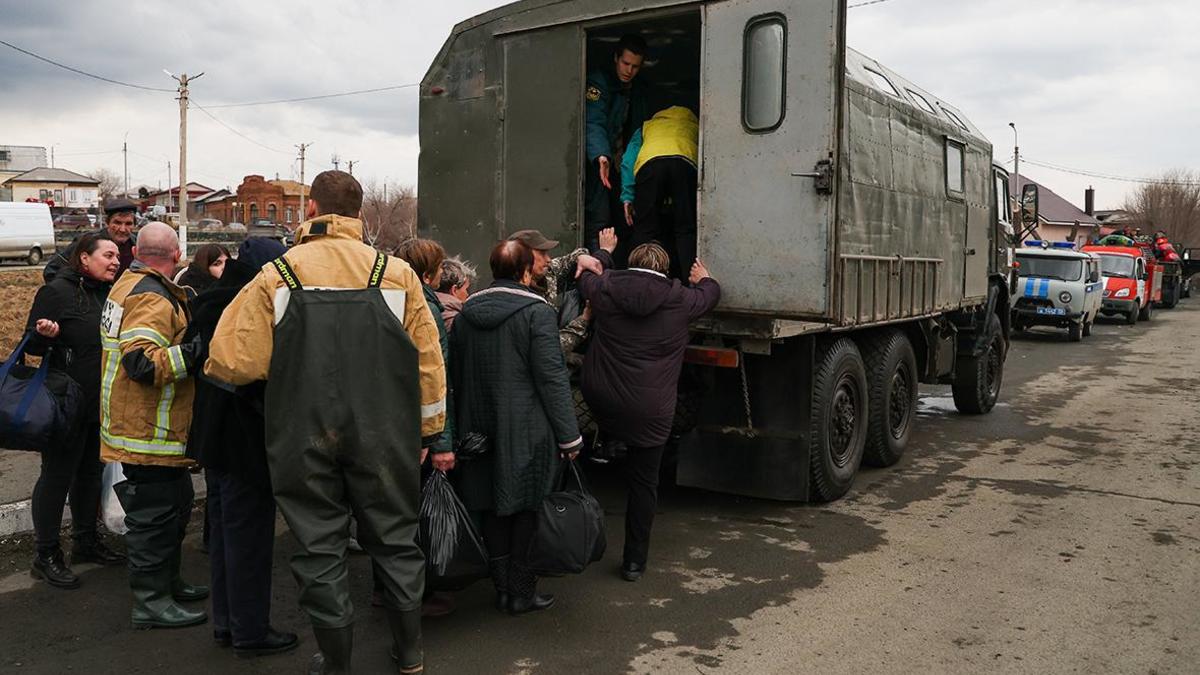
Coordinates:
<point>356,393</point>
<point>145,411</point>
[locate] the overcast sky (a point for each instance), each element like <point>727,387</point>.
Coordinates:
<point>1108,86</point>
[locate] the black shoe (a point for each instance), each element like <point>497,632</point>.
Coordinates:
<point>275,642</point>
<point>51,569</point>
<point>223,638</point>
<point>631,571</point>
<point>95,552</point>
<point>523,596</point>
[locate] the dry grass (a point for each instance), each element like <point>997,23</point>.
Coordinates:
<point>17,289</point>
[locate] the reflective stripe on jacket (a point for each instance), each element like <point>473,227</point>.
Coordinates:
<point>329,254</point>
<point>145,392</point>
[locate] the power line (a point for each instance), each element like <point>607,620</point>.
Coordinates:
<point>318,97</point>
<point>864,4</point>
<point>82,72</point>
<point>1105,176</point>
<point>235,131</point>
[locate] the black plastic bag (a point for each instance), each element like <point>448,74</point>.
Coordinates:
<point>472,446</point>
<point>454,553</point>
<point>570,528</point>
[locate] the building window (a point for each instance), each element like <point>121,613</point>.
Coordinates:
<point>5,156</point>
<point>763,60</point>
<point>45,195</point>
<point>272,212</point>
<point>253,213</point>
<point>954,168</point>
<point>58,197</point>
<point>287,214</point>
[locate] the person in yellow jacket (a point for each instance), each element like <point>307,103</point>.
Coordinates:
<point>356,394</point>
<point>145,411</point>
<point>658,174</point>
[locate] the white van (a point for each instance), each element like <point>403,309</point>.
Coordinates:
<point>26,232</point>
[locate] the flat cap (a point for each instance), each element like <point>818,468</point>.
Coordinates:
<point>534,240</point>
<point>119,205</point>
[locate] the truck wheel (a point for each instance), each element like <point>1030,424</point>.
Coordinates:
<point>977,379</point>
<point>1170,298</point>
<point>1147,312</point>
<point>838,426</point>
<point>1075,332</point>
<point>34,257</point>
<point>892,398</point>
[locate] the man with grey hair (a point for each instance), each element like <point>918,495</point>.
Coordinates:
<point>146,393</point>
<point>457,277</point>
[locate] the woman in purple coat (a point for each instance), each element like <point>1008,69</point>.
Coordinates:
<point>631,371</point>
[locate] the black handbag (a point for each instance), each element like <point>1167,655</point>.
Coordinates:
<point>570,528</point>
<point>39,407</point>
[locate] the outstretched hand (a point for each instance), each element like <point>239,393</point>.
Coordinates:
<point>699,272</point>
<point>608,239</point>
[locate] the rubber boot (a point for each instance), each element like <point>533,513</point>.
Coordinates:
<point>406,640</point>
<point>523,596</point>
<point>336,645</point>
<point>180,589</point>
<point>498,568</point>
<point>153,606</point>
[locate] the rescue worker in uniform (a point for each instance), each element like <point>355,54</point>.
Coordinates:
<point>659,169</point>
<point>355,396</point>
<point>145,411</point>
<point>617,105</point>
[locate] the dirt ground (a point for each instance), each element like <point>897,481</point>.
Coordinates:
<point>17,288</point>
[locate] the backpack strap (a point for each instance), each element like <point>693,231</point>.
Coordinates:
<point>287,274</point>
<point>377,270</point>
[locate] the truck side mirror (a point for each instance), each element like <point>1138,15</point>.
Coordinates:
<point>1029,205</point>
<point>1095,276</point>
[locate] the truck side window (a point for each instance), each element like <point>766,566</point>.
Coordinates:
<point>954,169</point>
<point>1003,205</point>
<point>763,70</point>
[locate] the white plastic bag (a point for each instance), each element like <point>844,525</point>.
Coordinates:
<point>111,510</point>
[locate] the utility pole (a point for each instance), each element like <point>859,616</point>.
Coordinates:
<point>1016,156</point>
<point>335,160</point>
<point>351,163</point>
<point>125,152</point>
<point>52,156</point>
<point>183,81</point>
<point>303,213</point>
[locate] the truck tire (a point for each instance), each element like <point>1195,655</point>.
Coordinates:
<point>892,396</point>
<point>34,257</point>
<point>977,379</point>
<point>838,426</point>
<point>1075,332</point>
<point>1147,312</point>
<point>1132,317</point>
<point>1170,297</point>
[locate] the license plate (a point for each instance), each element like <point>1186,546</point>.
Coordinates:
<point>1056,311</point>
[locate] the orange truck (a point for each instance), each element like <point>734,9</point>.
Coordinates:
<point>1132,281</point>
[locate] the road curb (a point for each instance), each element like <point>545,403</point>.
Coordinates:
<point>17,517</point>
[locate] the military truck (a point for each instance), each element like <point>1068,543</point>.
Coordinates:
<point>856,222</point>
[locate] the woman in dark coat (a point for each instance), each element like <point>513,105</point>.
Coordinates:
<point>511,385</point>
<point>228,439</point>
<point>206,268</point>
<point>631,372</point>
<point>66,316</point>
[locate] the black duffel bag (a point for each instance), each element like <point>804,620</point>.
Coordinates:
<point>39,407</point>
<point>570,528</point>
<point>455,556</point>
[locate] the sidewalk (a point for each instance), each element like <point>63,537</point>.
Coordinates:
<point>18,473</point>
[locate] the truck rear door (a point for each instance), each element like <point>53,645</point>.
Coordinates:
<point>770,97</point>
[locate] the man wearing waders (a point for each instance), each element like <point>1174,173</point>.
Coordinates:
<point>356,393</point>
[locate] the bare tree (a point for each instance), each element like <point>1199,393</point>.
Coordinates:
<point>110,183</point>
<point>389,214</point>
<point>1171,204</point>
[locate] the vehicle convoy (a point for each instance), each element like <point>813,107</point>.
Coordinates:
<point>1132,281</point>
<point>26,232</point>
<point>1057,286</point>
<point>856,222</point>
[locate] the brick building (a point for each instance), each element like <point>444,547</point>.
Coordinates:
<point>258,199</point>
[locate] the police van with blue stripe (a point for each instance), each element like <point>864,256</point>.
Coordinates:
<point>1058,286</point>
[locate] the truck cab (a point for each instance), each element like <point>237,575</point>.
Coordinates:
<point>1057,286</point>
<point>1130,289</point>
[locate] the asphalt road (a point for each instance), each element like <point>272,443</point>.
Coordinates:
<point>1058,534</point>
